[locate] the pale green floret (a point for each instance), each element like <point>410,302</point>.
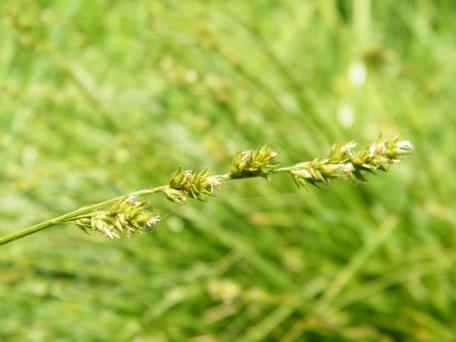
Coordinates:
<point>126,217</point>
<point>346,162</point>
<point>192,184</point>
<point>253,163</point>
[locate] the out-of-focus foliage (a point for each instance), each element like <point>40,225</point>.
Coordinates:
<point>99,98</point>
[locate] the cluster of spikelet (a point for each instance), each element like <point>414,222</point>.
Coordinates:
<point>125,218</point>
<point>256,163</point>
<point>128,216</point>
<point>192,184</point>
<point>346,161</point>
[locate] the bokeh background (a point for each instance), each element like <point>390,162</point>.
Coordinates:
<point>101,97</point>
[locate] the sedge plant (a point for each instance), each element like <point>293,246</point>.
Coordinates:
<point>129,214</point>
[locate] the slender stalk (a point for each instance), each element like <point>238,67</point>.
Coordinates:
<point>126,215</point>
<point>66,218</point>
<point>27,231</point>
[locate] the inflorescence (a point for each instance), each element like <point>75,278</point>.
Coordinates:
<point>126,215</point>
<point>125,218</point>
<point>344,161</point>
<point>256,163</point>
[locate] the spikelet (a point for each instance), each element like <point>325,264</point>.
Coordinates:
<point>193,184</point>
<point>345,162</point>
<point>124,218</point>
<point>253,163</point>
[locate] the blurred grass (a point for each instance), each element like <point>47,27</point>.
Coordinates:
<point>104,97</point>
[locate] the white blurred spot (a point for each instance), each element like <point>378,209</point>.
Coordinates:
<point>345,115</point>
<point>357,74</point>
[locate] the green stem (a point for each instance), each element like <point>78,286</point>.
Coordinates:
<point>27,231</point>
<point>68,216</point>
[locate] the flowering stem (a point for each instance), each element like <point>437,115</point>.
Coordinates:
<point>66,218</point>
<point>127,215</point>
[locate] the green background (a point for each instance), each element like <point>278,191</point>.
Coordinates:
<point>100,98</point>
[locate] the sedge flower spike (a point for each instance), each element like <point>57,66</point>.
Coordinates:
<point>125,218</point>
<point>128,216</point>
<point>253,163</point>
<point>192,184</point>
<point>345,161</point>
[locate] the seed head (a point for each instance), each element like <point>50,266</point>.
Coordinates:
<point>192,184</point>
<point>380,155</point>
<point>344,161</point>
<point>253,163</point>
<point>126,217</point>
